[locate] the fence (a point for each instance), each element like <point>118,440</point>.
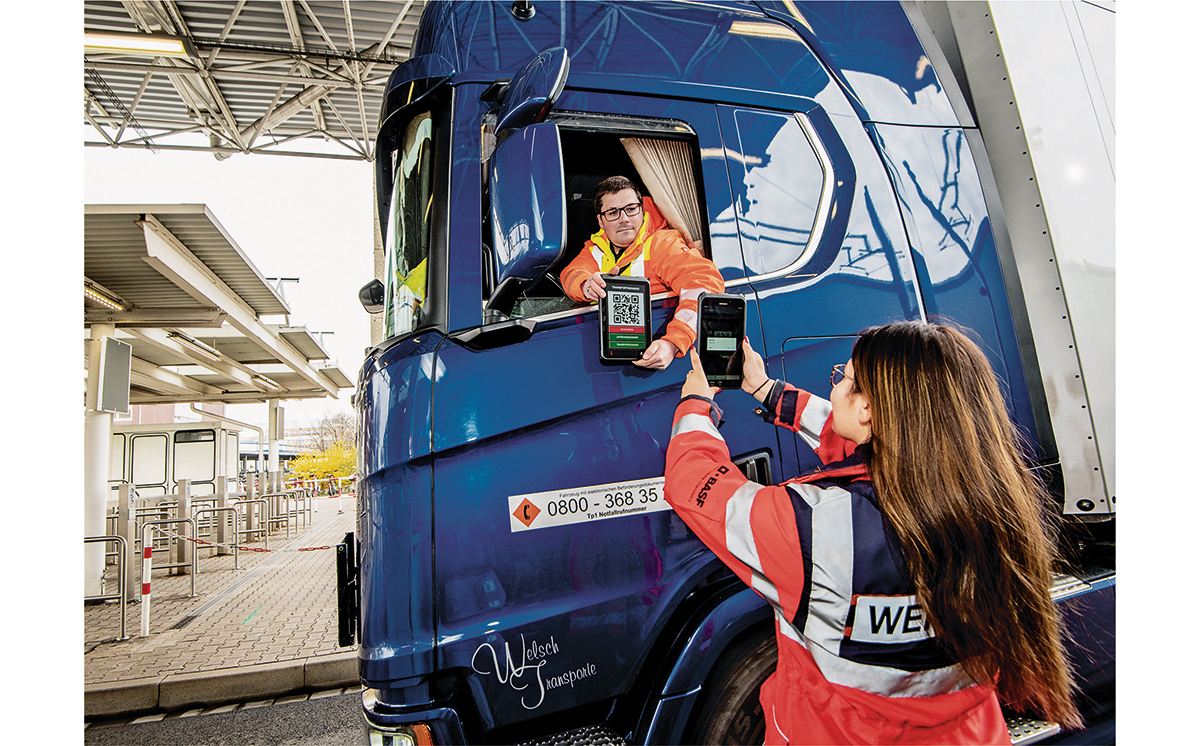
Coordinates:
<point>122,572</point>
<point>142,527</point>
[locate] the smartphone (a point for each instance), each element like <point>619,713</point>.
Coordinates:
<point>624,319</point>
<point>722,328</point>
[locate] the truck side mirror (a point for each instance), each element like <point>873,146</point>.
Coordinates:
<point>528,211</point>
<point>371,296</point>
<point>528,191</point>
<point>533,90</point>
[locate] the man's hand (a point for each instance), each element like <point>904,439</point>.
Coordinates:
<point>754,373</point>
<point>593,287</point>
<point>696,382</point>
<point>658,355</point>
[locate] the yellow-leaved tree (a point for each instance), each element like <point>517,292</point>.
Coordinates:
<point>338,460</point>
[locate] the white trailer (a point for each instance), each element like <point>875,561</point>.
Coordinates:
<point>1038,79</point>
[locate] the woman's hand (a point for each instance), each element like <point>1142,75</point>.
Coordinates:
<point>696,382</point>
<point>754,372</point>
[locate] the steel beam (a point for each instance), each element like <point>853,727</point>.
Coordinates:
<point>223,367</point>
<point>150,376</point>
<point>168,255</point>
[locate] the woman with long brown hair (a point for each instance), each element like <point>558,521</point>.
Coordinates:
<point>910,574</point>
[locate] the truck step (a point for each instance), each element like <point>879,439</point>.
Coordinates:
<point>1023,730</point>
<point>591,735</point>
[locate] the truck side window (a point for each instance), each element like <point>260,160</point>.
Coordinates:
<point>777,194</point>
<point>655,164</point>
<point>408,225</point>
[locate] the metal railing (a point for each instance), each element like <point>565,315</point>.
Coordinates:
<point>250,529</point>
<point>215,511</point>
<point>147,568</point>
<point>284,508</point>
<point>121,577</point>
<point>207,527</point>
<point>164,509</point>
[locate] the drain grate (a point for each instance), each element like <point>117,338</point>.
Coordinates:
<point>194,615</point>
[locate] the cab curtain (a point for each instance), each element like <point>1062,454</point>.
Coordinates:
<point>665,167</point>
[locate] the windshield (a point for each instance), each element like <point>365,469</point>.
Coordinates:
<point>408,227</point>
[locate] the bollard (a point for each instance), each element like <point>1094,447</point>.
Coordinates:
<point>147,564</point>
<point>147,556</point>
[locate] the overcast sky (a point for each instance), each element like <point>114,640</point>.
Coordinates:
<point>293,217</point>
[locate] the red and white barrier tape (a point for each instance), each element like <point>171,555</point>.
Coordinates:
<point>172,534</point>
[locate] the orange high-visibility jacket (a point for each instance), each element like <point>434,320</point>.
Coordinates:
<point>659,254</point>
<point>856,664</point>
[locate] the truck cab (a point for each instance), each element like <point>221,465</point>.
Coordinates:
<point>515,573</point>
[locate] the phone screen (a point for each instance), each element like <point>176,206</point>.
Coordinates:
<point>625,318</point>
<point>722,328</point>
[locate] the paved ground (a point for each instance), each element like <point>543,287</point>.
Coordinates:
<point>265,631</point>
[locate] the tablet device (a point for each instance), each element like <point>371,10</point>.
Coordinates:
<point>722,328</point>
<point>624,319</point>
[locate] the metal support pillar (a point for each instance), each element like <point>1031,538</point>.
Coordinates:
<point>97,439</point>
<point>220,534</point>
<point>183,510</point>
<point>380,263</point>
<point>127,529</point>
<point>274,433</point>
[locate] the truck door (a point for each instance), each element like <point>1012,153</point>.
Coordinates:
<point>558,561</point>
<point>823,246</point>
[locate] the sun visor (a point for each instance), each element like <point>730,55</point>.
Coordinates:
<point>413,80</point>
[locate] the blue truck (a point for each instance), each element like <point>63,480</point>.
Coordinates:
<point>515,575</point>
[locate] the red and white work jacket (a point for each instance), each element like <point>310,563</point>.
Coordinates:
<point>856,664</point>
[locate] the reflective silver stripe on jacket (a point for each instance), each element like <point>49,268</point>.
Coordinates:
<point>813,418</point>
<point>739,540</point>
<point>829,607</point>
<point>691,423</point>
<point>687,316</point>
<point>637,268</point>
<point>691,318</point>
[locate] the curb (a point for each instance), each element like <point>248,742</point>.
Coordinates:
<point>220,686</point>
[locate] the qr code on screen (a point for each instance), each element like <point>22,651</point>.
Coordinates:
<point>625,309</point>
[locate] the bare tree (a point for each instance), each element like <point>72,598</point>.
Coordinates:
<point>332,427</point>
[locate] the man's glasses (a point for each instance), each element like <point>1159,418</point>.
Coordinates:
<point>632,210</point>
<point>839,372</point>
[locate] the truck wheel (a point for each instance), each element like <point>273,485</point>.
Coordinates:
<point>728,711</point>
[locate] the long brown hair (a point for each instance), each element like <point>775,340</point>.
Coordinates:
<point>973,524</point>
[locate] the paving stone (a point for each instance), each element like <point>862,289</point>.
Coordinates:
<point>278,610</point>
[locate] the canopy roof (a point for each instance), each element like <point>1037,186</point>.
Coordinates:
<point>255,76</point>
<point>185,296</point>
